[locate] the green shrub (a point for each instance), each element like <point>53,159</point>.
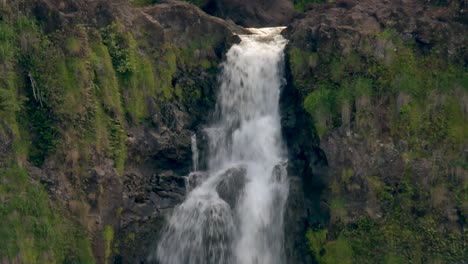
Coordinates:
<point>429,116</point>
<point>329,252</point>
<point>42,128</point>
<point>117,43</point>
<point>320,104</point>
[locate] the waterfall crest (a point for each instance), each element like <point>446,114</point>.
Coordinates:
<point>235,215</point>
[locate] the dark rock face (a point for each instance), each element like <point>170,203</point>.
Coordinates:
<point>159,158</point>
<point>252,13</point>
<point>360,154</point>
<point>343,25</point>
<point>155,179</point>
<point>231,185</point>
<point>306,171</point>
<point>157,176</point>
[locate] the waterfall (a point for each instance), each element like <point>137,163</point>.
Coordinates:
<point>235,215</point>
<point>194,153</point>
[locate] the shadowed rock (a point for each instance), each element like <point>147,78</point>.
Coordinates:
<point>253,13</point>
<point>231,185</point>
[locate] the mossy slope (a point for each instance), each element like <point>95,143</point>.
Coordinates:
<point>67,101</point>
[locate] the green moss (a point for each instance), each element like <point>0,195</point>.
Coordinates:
<point>362,86</point>
<point>140,86</point>
<point>117,145</point>
<point>30,229</point>
<point>418,99</point>
<point>105,79</point>
<point>73,45</point>
<point>346,175</point>
<point>409,228</point>
<point>329,252</point>
<point>7,46</point>
<point>138,78</point>
<point>108,235</point>
<point>144,2</point>
<point>456,124</point>
<point>118,44</point>
<point>301,63</point>
<point>431,117</point>
<point>317,240</point>
<point>42,128</point>
<point>301,5</point>
<point>320,104</point>
<point>167,71</point>
<point>338,210</point>
<point>10,102</point>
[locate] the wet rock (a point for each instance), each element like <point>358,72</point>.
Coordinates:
<point>231,185</point>
<point>196,178</point>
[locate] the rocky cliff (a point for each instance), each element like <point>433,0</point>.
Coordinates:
<point>383,163</point>
<point>99,99</point>
<point>98,104</point>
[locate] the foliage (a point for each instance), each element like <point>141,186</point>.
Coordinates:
<point>403,96</point>
<point>118,45</point>
<point>321,104</point>
<point>108,235</point>
<point>144,2</point>
<point>69,96</point>
<point>429,115</point>
<point>30,229</point>
<point>301,63</point>
<point>329,252</point>
<point>37,119</point>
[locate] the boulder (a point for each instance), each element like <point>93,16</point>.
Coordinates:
<point>231,185</point>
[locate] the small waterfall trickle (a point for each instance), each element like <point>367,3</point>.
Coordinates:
<point>194,153</point>
<point>235,213</point>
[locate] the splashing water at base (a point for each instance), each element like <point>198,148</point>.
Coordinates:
<point>236,214</point>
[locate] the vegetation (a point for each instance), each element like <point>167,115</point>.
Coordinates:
<point>108,235</point>
<point>301,5</point>
<point>416,82</point>
<point>199,3</point>
<point>403,96</point>
<point>66,99</point>
<point>31,231</point>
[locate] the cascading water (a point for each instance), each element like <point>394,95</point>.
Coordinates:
<point>194,152</point>
<point>235,215</point>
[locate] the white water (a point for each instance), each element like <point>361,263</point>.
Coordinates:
<point>236,214</point>
<point>194,152</point>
